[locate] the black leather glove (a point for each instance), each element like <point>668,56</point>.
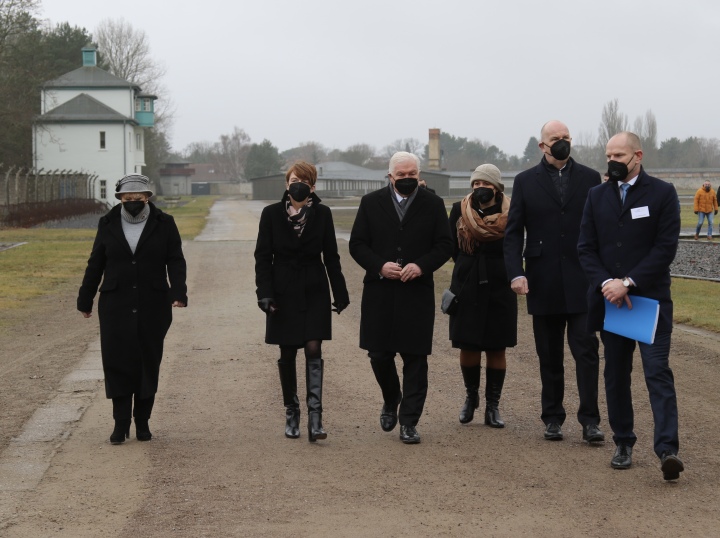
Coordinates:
<point>267,305</point>
<point>339,307</point>
<point>696,212</point>
<point>716,211</point>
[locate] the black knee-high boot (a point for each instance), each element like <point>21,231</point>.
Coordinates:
<point>493,390</point>
<point>314,381</point>
<point>471,377</point>
<point>122,411</point>
<point>142,412</point>
<point>288,383</point>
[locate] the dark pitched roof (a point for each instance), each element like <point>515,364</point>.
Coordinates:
<point>83,108</point>
<point>89,77</point>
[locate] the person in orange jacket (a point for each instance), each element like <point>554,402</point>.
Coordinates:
<point>705,206</point>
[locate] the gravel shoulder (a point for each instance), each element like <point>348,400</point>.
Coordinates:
<point>219,464</point>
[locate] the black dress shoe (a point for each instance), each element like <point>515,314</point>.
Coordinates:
<point>622,459</point>
<point>409,435</point>
<point>553,432</point>
<point>671,466</point>
<point>592,434</point>
<point>389,415</point>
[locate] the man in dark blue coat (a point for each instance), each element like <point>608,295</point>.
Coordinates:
<point>547,204</point>
<point>628,240</point>
<point>400,237</point>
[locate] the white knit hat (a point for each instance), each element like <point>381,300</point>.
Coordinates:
<point>133,183</point>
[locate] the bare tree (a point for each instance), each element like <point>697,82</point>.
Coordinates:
<point>232,151</point>
<point>125,52</point>
<point>613,122</point>
<point>16,19</point>
<point>411,145</point>
<point>312,152</point>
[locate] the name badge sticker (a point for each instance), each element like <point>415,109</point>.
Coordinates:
<point>640,212</point>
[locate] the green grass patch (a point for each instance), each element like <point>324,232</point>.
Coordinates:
<point>696,303</point>
<point>190,214</point>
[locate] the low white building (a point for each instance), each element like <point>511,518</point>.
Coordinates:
<point>91,121</point>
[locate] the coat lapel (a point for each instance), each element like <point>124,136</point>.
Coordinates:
<point>150,226</point>
<point>387,205</point>
<point>115,227</point>
<point>545,182</point>
<point>636,193</point>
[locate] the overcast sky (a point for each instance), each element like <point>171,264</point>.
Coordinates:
<point>341,72</point>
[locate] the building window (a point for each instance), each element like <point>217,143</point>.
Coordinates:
<point>102,139</point>
<point>137,105</point>
<point>103,188</point>
<point>147,105</point>
<point>138,141</point>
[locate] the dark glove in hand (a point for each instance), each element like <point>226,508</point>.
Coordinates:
<point>339,307</point>
<point>696,212</point>
<point>716,211</point>
<point>267,305</point>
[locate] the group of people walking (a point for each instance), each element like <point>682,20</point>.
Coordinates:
<point>569,243</point>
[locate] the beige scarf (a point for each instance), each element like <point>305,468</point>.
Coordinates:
<point>472,228</point>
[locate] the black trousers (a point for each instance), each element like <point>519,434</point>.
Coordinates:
<point>414,385</point>
<point>549,332</point>
<point>659,381</point>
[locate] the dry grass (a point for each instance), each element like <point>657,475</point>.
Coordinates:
<point>696,303</point>
<point>54,257</point>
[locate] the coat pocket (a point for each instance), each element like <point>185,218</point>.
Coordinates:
<point>160,284</point>
<point>533,249</point>
<point>108,284</point>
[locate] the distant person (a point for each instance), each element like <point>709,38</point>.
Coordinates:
<point>296,253</point>
<point>547,205</point>
<point>423,185</point>
<point>628,240</point>
<point>400,237</point>
<point>137,250</point>
<point>486,316</point>
<point>705,206</point>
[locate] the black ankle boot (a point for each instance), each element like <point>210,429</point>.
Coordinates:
<point>142,429</point>
<point>471,377</point>
<point>288,383</point>
<point>121,431</point>
<point>493,390</point>
<point>314,380</point>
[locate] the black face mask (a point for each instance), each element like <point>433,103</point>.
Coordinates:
<point>134,207</point>
<point>299,191</point>
<point>707,189</point>
<point>406,186</point>
<point>618,171</point>
<point>482,195</point>
<point>560,149</point>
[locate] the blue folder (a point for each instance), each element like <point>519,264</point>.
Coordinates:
<point>638,324</point>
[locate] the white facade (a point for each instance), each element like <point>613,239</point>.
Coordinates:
<point>92,122</point>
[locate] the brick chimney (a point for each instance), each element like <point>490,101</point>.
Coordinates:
<point>434,150</point>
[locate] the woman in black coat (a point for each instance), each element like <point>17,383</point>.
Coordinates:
<point>486,316</point>
<point>137,249</point>
<point>293,291</point>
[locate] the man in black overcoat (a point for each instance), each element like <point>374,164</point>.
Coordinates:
<point>400,237</point>
<point>547,204</point>
<point>628,239</point>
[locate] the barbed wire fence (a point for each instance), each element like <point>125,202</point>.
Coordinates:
<point>29,197</point>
